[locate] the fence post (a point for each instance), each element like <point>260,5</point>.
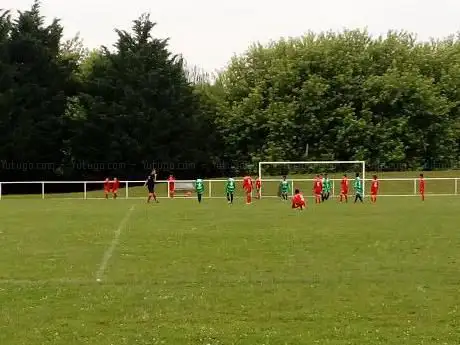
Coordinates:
<point>0,191</point>
<point>292,187</point>
<point>43,190</point>
<point>456,187</point>
<point>84,190</point>
<point>126,190</point>
<point>415,186</point>
<point>333,188</point>
<point>210,189</point>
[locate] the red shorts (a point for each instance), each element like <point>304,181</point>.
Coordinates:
<point>318,192</point>
<point>248,190</point>
<point>298,204</point>
<point>374,191</point>
<point>115,191</point>
<point>106,191</point>
<point>344,191</point>
<point>422,191</point>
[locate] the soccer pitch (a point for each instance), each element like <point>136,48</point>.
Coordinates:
<point>182,273</point>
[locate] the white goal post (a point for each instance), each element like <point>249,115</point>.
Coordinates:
<point>362,163</point>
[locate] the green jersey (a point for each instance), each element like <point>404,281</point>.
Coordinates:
<point>327,185</point>
<point>199,186</point>
<point>230,185</point>
<point>284,187</point>
<point>358,185</point>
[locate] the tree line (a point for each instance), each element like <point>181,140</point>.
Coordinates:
<point>70,113</point>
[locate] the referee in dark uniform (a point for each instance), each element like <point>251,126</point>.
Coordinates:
<point>150,183</point>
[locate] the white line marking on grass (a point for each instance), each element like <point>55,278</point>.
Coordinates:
<point>116,238</point>
<point>58,281</point>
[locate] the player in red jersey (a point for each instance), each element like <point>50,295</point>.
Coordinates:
<point>115,186</point>
<point>344,188</point>
<point>171,185</point>
<point>421,186</point>
<point>247,186</point>
<point>259,187</point>
<point>298,201</point>
<point>374,189</point>
<point>318,188</point>
<point>107,187</point>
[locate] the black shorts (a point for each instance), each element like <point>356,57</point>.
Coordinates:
<point>151,189</point>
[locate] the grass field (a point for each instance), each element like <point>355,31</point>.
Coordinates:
<point>182,273</point>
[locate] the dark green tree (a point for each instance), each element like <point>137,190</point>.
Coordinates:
<point>35,83</point>
<point>138,104</point>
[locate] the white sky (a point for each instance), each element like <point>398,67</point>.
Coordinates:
<point>209,32</point>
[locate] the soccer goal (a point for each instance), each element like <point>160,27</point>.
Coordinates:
<point>302,174</point>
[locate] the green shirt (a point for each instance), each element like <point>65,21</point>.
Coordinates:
<point>284,186</point>
<point>230,185</point>
<point>327,185</point>
<point>358,185</point>
<point>199,186</point>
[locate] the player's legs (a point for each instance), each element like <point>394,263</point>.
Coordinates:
<point>358,197</point>
<point>230,198</point>
<point>248,197</point>
<point>171,193</point>
<point>115,193</point>
<point>199,195</point>
<point>422,194</point>
<point>318,198</point>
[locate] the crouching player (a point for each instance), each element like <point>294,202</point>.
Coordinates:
<point>199,189</point>
<point>298,201</point>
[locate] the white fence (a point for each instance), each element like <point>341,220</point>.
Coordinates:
<point>401,187</point>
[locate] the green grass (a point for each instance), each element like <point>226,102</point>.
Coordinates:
<point>184,273</point>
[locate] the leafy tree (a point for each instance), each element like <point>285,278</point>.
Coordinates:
<point>139,105</point>
<point>34,87</point>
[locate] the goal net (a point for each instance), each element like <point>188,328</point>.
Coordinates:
<point>302,174</point>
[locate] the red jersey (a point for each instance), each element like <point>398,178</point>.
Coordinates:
<point>422,184</point>
<point>298,201</point>
<point>171,182</point>
<point>115,185</point>
<point>344,185</point>
<point>318,186</point>
<point>374,186</point>
<point>107,185</point>
<point>247,183</point>
<point>258,183</point>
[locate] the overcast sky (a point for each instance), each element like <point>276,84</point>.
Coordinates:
<point>209,32</point>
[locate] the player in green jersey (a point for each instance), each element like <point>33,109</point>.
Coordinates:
<point>199,189</point>
<point>358,186</point>
<point>327,187</point>
<point>284,188</point>
<point>230,189</point>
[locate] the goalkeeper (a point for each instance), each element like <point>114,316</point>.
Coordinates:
<point>284,188</point>
<point>199,189</point>
<point>230,189</point>
<point>327,187</point>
